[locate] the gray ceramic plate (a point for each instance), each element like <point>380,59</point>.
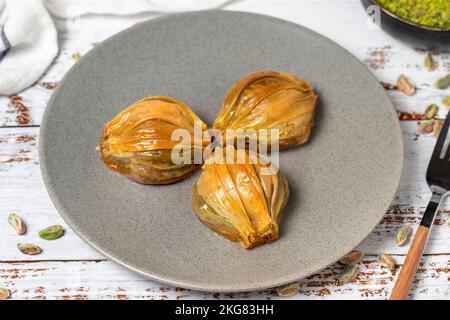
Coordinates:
<point>341,183</point>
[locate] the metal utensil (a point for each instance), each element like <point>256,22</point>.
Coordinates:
<point>438,177</point>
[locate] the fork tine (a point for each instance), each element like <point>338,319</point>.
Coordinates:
<point>441,140</point>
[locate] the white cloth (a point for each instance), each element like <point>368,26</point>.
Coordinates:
<point>73,8</point>
<point>28,43</point>
<point>28,37</point>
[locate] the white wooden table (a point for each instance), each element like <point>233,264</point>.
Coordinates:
<point>70,269</point>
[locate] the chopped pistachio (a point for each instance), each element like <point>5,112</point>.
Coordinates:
<point>16,222</point>
<point>431,13</point>
<point>403,235</point>
<point>288,290</point>
<point>352,257</point>
<point>443,83</point>
<point>446,101</point>
<point>431,111</point>
<point>349,273</point>
<point>4,294</point>
<point>30,249</point>
<point>429,63</point>
<point>405,85</point>
<point>437,127</point>
<point>52,232</point>
<point>426,127</point>
<point>387,261</point>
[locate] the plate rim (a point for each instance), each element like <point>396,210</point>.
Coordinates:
<point>186,284</point>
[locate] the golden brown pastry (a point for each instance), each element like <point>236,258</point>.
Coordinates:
<point>138,141</point>
<point>270,100</point>
<point>242,202</point>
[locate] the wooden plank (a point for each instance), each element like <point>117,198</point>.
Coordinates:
<point>385,56</point>
<point>22,191</point>
<point>107,280</point>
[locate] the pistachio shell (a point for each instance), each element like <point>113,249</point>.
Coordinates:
<point>429,62</point>
<point>30,249</point>
<point>4,294</point>
<point>431,111</point>
<point>443,83</point>
<point>403,235</point>
<point>349,273</point>
<point>16,222</point>
<point>387,261</point>
<point>52,232</point>
<point>288,290</point>
<point>405,85</point>
<point>426,127</point>
<point>352,257</point>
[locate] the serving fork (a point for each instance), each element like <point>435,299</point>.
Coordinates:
<point>438,178</point>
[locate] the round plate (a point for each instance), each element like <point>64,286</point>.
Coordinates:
<point>341,183</point>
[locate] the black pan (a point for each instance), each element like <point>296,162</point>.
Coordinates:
<point>415,34</point>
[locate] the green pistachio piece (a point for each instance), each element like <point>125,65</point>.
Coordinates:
<point>349,273</point>
<point>446,101</point>
<point>30,249</point>
<point>443,83</point>
<point>352,257</point>
<point>52,232</point>
<point>16,222</point>
<point>405,85</point>
<point>4,294</point>
<point>288,290</point>
<point>431,111</point>
<point>76,56</point>
<point>426,127</point>
<point>403,235</point>
<point>429,62</point>
<point>387,261</point>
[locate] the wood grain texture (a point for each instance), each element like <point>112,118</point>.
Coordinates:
<point>412,260</point>
<point>344,21</point>
<point>69,269</point>
<point>107,280</point>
